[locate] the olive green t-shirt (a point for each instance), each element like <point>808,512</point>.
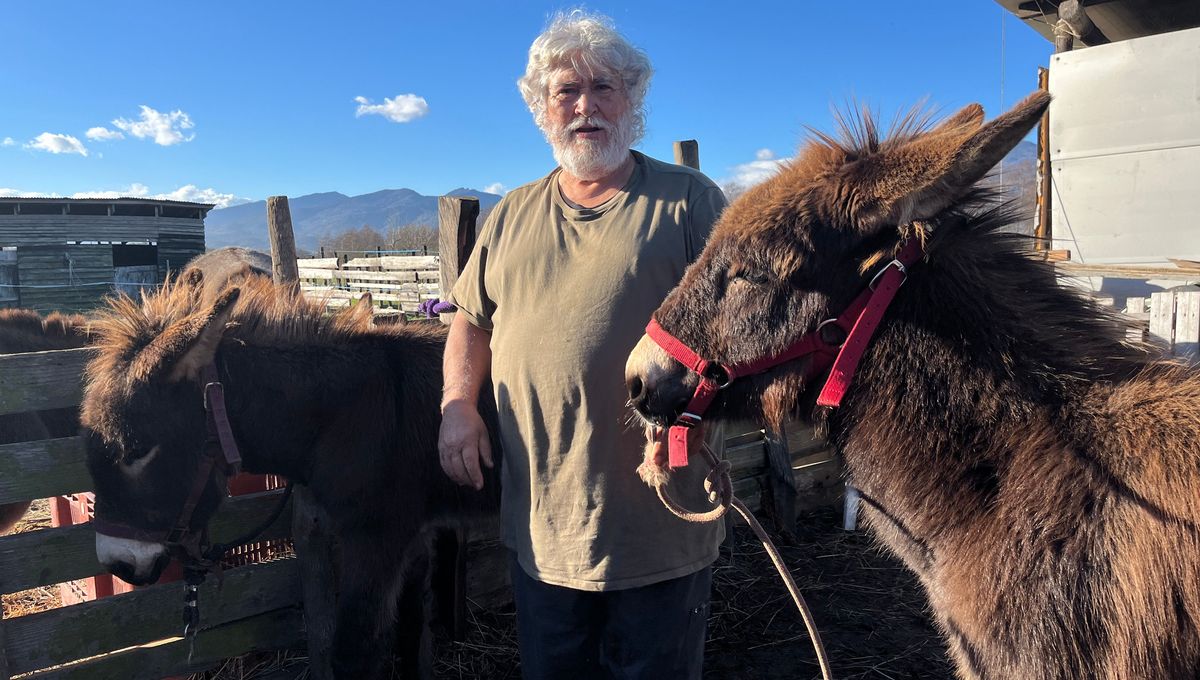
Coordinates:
<point>566,293</point>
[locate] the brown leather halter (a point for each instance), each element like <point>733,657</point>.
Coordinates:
<point>220,456</point>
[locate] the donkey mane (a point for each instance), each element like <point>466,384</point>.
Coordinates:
<point>264,314</point>
<point>24,330</point>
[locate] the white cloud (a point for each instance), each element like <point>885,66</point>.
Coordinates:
<point>496,188</point>
<point>164,128</point>
<point>8,141</point>
<point>403,109</point>
<point>103,134</point>
<point>746,175</point>
<point>55,143</point>
<point>190,192</point>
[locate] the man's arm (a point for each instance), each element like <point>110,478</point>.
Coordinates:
<point>463,439</point>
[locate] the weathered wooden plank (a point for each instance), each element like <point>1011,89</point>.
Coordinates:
<point>316,263</point>
<point>50,467</point>
<point>1126,272</point>
<point>1162,319</point>
<point>36,381</point>
<point>457,231</point>
<point>1187,325</point>
<point>394,262</point>
<point>278,629</point>
<point>50,637</point>
<point>40,558</point>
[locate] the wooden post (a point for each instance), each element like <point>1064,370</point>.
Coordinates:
<point>283,241</point>
<point>687,153</point>
<point>314,546</point>
<point>781,483</point>
<point>457,231</point>
<point>456,239</point>
<point>1043,231</point>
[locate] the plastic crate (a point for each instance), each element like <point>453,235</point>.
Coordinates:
<point>80,508</point>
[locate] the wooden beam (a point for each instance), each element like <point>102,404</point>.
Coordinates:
<point>781,482</point>
<point>283,240</point>
<point>687,153</point>
<point>1043,230</point>
<point>457,231</point>
<point>1073,13</point>
<point>311,526</point>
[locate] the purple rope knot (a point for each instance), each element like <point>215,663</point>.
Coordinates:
<point>432,307</point>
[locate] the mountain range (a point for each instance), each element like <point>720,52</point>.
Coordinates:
<point>315,215</point>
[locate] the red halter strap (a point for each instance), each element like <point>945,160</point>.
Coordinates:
<point>857,323</point>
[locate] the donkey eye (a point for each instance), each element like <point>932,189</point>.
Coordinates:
<point>758,278</point>
<point>135,466</point>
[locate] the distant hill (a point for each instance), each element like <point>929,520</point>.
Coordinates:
<point>316,215</point>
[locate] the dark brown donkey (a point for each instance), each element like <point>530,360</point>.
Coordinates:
<point>1040,475</point>
<point>348,409</point>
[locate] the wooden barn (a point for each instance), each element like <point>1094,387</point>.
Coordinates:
<point>67,253</point>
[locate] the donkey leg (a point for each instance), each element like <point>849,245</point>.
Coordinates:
<point>413,635</point>
<point>369,582</point>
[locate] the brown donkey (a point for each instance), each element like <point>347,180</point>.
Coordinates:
<point>348,409</point>
<point>1040,475</point>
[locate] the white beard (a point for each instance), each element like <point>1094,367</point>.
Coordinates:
<point>590,160</point>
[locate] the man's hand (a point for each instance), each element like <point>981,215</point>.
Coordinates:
<point>463,442</point>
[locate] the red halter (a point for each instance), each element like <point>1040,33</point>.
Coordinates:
<point>856,323</point>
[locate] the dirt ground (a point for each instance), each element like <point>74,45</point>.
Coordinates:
<point>871,613</point>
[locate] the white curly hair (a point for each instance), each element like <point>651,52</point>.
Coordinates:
<point>590,44</point>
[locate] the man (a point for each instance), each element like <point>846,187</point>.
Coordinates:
<point>563,279</point>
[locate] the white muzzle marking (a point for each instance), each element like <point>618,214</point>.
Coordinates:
<point>142,555</point>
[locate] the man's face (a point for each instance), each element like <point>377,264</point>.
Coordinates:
<point>588,123</point>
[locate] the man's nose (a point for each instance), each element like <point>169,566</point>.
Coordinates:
<point>586,104</point>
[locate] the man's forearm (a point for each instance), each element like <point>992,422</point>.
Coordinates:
<point>467,363</point>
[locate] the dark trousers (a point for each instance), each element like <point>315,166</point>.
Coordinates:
<point>654,632</point>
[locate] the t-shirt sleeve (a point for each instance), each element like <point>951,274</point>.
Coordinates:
<point>702,215</point>
<point>470,293</point>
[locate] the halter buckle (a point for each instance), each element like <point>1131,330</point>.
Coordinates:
<point>898,265</point>
<point>832,323</point>
<point>688,419</point>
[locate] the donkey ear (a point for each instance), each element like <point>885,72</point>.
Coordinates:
<point>925,176</point>
<point>968,117</point>
<point>186,347</point>
<point>205,336</point>
<point>359,315</point>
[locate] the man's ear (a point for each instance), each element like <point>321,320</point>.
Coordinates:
<point>186,347</point>
<point>921,178</point>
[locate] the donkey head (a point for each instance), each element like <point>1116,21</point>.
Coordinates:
<point>795,250</point>
<point>145,422</point>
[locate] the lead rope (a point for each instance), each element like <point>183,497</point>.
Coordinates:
<point>720,490</point>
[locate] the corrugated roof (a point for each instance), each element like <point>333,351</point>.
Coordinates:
<point>120,199</point>
<point>1116,19</point>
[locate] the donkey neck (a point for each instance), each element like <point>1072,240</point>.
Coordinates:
<point>980,350</point>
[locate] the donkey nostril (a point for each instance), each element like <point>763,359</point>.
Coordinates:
<point>636,390</point>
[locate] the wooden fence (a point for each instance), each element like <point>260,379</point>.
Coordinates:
<point>134,635</point>
<point>395,282</point>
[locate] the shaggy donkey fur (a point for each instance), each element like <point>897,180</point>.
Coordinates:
<point>1038,473</point>
<point>348,409</point>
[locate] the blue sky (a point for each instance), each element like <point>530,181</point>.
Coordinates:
<point>235,101</point>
